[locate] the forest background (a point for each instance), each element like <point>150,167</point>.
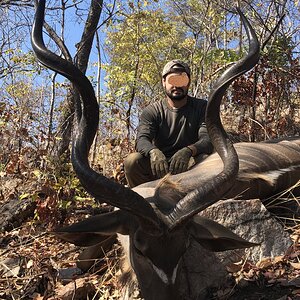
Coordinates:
<point>122,46</point>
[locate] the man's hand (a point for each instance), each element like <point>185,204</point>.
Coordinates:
<point>180,161</point>
<point>159,164</point>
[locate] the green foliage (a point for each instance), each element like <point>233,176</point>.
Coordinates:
<point>143,40</point>
<point>221,57</point>
<point>140,41</point>
<point>279,53</point>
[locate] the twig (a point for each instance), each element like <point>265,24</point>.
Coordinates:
<point>28,242</point>
<point>272,32</point>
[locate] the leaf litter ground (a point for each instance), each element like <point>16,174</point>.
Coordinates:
<point>35,265</point>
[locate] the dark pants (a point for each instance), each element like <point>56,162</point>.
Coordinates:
<point>138,170</point>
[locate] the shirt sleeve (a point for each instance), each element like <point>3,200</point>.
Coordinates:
<point>203,144</point>
<point>146,131</point>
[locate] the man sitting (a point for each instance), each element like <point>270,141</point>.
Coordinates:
<point>171,135</point>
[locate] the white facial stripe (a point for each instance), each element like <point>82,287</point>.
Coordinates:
<point>174,274</point>
<point>163,276</point>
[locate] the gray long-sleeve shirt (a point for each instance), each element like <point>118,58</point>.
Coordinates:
<point>170,129</point>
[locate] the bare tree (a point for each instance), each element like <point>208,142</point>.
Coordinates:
<point>81,59</point>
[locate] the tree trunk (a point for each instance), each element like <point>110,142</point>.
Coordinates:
<point>72,105</point>
<point>98,89</point>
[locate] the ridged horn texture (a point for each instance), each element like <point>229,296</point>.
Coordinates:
<point>211,191</point>
<point>100,187</point>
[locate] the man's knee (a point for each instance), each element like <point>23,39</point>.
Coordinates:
<point>137,169</point>
<point>132,160</point>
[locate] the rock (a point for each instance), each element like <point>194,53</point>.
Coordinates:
<point>250,220</point>
<point>77,290</point>
<point>67,274</point>
<point>14,212</point>
<point>202,270</point>
<point>10,267</point>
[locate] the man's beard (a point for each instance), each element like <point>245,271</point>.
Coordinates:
<point>176,97</point>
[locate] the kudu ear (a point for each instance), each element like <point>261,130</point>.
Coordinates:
<point>216,237</point>
<point>89,255</point>
<point>96,229</point>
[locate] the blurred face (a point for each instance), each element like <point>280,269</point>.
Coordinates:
<point>176,85</point>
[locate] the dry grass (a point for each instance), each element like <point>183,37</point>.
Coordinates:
<point>286,207</point>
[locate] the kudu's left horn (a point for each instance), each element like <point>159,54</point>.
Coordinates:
<point>103,189</point>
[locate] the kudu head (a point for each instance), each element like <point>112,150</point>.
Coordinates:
<point>157,239</point>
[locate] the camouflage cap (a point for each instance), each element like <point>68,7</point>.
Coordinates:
<point>174,65</point>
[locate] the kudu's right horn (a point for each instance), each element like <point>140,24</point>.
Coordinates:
<point>211,191</point>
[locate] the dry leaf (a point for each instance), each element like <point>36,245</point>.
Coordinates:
<point>234,268</point>
<point>295,254</point>
<point>269,275</point>
<point>295,265</point>
<point>29,264</point>
<point>265,263</point>
<point>37,296</point>
<point>279,259</point>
